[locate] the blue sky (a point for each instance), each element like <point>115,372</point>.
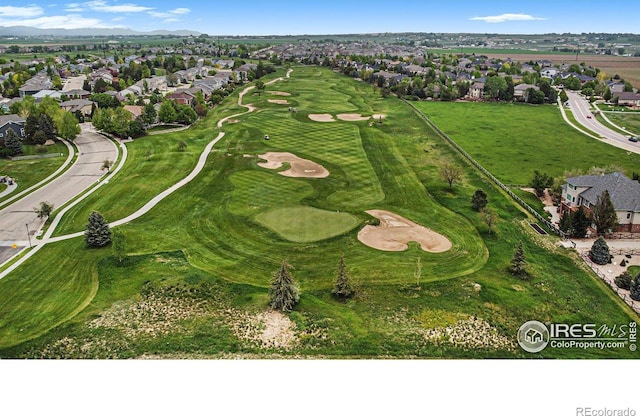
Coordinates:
<point>296,17</point>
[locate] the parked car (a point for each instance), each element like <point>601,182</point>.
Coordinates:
<point>588,115</point>
<point>633,139</point>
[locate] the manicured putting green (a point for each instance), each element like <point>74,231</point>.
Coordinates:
<point>306,224</point>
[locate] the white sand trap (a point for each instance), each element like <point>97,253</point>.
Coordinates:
<point>352,117</point>
<point>282,93</point>
<point>378,116</point>
<point>395,232</point>
<point>300,168</point>
<point>279,101</point>
<point>323,118</point>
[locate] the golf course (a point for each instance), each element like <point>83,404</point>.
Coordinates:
<point>191,278</point>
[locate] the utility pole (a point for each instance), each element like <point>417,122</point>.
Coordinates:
<point>28,235</point>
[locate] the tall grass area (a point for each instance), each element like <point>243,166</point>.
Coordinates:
<point>199,265</point>
<point>513,140</point>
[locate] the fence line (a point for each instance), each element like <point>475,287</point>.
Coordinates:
<point>502,186</point>
<point>623,294</point>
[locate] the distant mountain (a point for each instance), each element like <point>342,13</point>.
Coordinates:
<point>23,31</point>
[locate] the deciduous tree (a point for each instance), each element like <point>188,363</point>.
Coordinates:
<point>44,210</point>
<point>479,200</point>
<point>489,217</point>
<point>450,173</point>
<point>540,182</point>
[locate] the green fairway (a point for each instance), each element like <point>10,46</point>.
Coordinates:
<point>306,224</point>
<point>513,140</point>
<point>195,279</point>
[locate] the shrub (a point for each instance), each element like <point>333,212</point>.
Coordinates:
<point>634,288</point>
<point>623,281</point>
<point>599,253</point>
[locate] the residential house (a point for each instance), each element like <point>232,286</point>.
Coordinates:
<point>35,85</point>
<point>82,105</point>
<point>476,91</point>
<point>135,110</point>
<point>549,73</point>
<point>520,92</point>
<point>181,97</point>
<point>630,99</point>
<point>624,192</point>
<point>11,122</point>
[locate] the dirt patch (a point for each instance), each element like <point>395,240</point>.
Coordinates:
<point>395,232</point>
<point>323,118</point>
<point>300,168</point>
<point>352,117</point>
<point>281,93</point>
<point>278,101</point>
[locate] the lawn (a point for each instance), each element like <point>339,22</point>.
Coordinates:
<point>630,121</point>
<point>31,171</point>
<point>513,140</point>
<point>194,283</point>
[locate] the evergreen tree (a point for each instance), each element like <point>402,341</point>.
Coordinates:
<point>518,266</point>
<point>580,223</point>
<point>13,143</point>
<point>599,253</point>
<point>284,292</point>
<point>343,287</point>
<point>39,138</point>
<point>565,223</point>
<point>634,288</point>
<point>479,200</point>
<point>604,215</point>
<point>623,281</point>
<point>98,233</point>
<point>46,125</point>
<point>31,126</point>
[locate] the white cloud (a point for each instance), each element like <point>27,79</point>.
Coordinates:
<point>105,7</point>
<point>180,10</point>
<point>71,21</point>
<point>12,11</point>
<point>507,17</point>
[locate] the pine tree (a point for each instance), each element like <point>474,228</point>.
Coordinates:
<point>284,292</point>
<point>599,253</point>
<point>343,287</point>
<point>580,223</point>
<point>518,266</point>
<point>565,223</point>
<point>98,233</point>
<point>479,200</point>
<point>13,143</point>
<point>604,215</point>
<point>634,288</point>
<point>46,125</point>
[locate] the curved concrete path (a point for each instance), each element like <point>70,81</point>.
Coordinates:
<point>149,205</point>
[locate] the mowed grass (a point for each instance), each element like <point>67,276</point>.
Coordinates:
<point>512,140</point>
<point>306,224</point>
<point>31,171</point>
<point>206,233</point>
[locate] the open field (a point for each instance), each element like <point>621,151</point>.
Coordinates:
<point>513,140</point>
<point>628,67</point>
<point>629,120</point>
<point>195,281</point>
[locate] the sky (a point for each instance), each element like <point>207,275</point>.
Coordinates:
<point>300,17</point>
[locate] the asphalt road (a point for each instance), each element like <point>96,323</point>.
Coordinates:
<point>581,109</point>
<point>93,150</point>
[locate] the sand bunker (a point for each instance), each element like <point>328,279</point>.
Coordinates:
<point>323,118</point>
<point>378,116</point>
<point>300,168</point>
<point>395,232</point>
<point>279,101</point>
<point>352,117</point>
<point>282,93</point>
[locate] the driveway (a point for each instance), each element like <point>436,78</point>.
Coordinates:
<point>581,109</point>
<point>93,149</point>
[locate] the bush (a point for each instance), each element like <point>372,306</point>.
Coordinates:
<point>623,281</point>
<point>599,253</point>
<point>634,288</point>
